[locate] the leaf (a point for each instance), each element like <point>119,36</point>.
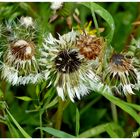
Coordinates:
<point>111,132</point>
<point>23,132</point>
<point>56,133</point>
<point>51,104</point>
<point>77,121</point>
<point>123,106</point>
<point>14,133</point>
<point>100,129</point>
<point>137,107</point>
<point>25,98</point>
<point>105,15</point>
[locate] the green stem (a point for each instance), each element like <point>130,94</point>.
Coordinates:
<point>59,114</point>
<point>114,112</point>
<point>95,21</point>
<point>90,104</point>
<point>129,98</point>
<point>40,121</point>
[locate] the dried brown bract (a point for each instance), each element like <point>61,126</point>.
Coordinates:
<point>90,46</point>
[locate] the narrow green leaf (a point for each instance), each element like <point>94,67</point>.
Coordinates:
<point>37,90</point>
<point>99,129</point>
<point>23,132</point>
<point>111,132</point>
<point>123,106</point>
<point>105,15</point>
<point>51,104</point>
<point>25,98</point>
<point>137,107</point>
<point>14,133</point>
<point>56,133</point>
<point>77,121</point>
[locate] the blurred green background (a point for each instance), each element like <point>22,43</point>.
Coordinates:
<point>95,115</point>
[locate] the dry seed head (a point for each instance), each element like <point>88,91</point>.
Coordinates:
<point>22,49</point>
<point>90,46</point>
<point>120,64</point>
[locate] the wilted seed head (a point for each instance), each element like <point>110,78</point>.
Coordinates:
<point>22,50</point>
<point>67,61</point>
<point>90,46</point>
<point>120,64</point>
<point>121,75</point>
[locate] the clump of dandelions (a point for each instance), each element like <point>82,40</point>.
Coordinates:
<point>19,56</point>
<point>66,69</point>
<point>120,74</point>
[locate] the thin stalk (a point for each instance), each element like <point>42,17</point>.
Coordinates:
<point>59,114</point>
<point>114,112</point>
<point>129,98</point>
<point>95,22</point>
<point>90,104</point>
<point>40,122</point>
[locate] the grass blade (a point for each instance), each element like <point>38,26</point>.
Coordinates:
<point>105,15</point>
<point>123,106</point>
<point>56,133</point>
<point>100,129</point>
<point>77,121</point>
<point>18,126</point>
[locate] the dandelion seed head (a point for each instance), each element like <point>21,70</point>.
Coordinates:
<point>56,5</point>
<point>19,57</point>
<point>66,68</point>
<point>90,46</point>
<point>27,21</point>
<point>121,74</point>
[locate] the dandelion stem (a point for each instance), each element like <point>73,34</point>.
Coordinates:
<point>59,114</point>
<point>114,112</point>
<point>95,21</point>
<point>40,121</point>
<point>129,98</point>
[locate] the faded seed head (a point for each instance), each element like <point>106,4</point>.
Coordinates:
<point>119,63</point>
<point>22,50</point>
<point>90,46</point>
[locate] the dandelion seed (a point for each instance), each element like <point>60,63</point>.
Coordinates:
<point>66,69</point>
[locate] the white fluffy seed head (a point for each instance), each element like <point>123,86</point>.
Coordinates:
<point>56,5</point>
<point>27,21</point>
